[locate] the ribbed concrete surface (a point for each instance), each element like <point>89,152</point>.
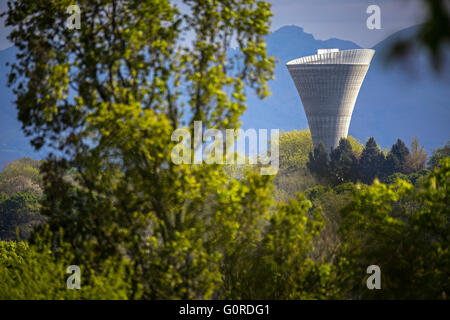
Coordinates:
<point>328,85</point>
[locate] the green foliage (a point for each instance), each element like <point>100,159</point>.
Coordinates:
<point>343,163</point>
<point>404,230</point>
<point>288,184</point>
<point>127,68</point>
<point>34,273</point>
<point>418,157</point>
<point>319,163</point>
<point>21,175</point>
<point>282,267</point>
<point>371,162</point>
<point>20,187</point>
<point>294,149</point>
<point>186,230</point>
<point>26,167</point>
<point>357,146</point>
<point>330,201</point>
<point>140,226</point>
<point>392,179</point>
<point>298,171</point>
<point>340,166</point>
<point>397,158</point>
<point>416,178</point>
<point>296,145</point>
<point>19,214</point>
<point>438,154</point>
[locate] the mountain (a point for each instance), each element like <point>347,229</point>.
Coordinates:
<point>395,101</point>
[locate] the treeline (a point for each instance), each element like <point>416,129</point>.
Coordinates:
<point>316,245</point>
<point>20,197</point>
<point>342,164</point>
<point>302,166</point>
<point>287,252</point>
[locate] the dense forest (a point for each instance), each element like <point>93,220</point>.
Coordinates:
<point>104,100</point>
<point>331,216</point>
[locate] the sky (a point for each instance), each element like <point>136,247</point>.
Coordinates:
<point>324,19</point>
<point>346,19</point>
<point>4,43</point>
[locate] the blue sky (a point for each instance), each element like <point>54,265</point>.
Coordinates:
<point>346,19</point>
<point>343,19</point>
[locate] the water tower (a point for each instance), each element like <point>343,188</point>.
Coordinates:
<point>328,84</point>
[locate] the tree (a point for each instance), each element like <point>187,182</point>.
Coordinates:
<point>20,197</point>
<point>299,169</point>
<point>396,160</point>
<point>26,167</point>
<point>294,149</point>
<point>105,100</point>
<point>19,184</point>
<point>283,265</point>
<point>371,162</point>
<point>296,145</point>
<point>318,162</point>
<point>343,163</point>
<point>20,213</point>
<point>438,155</point>
<point>330,201</point>
<point>21,175</point>
<point>36,273</point>
<point>404,230</point>
<point>357,147</point>
<point>418,157</point>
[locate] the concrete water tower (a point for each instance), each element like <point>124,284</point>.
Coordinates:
<point>328,84</point>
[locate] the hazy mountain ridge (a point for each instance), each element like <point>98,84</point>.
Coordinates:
<point>392,102</point>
